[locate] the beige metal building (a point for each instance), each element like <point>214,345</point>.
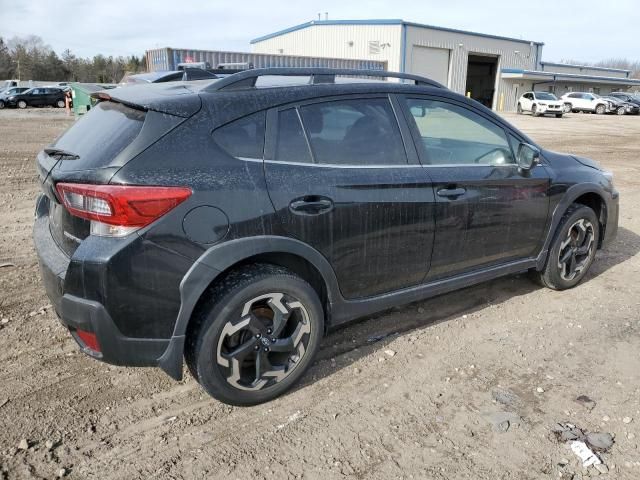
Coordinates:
<point>492,69</point>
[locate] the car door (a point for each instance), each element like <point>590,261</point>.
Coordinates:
<point>35,97</point>
<point>488,211</point>
<point>341,180</point>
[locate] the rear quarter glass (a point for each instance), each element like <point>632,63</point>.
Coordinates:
<point>100,135</point>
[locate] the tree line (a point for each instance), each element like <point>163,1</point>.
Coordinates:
<point>30,58</point>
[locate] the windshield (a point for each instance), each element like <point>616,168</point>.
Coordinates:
<point>545,96</point>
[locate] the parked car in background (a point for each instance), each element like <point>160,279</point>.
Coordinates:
<point>9,92</point>
<point>621,107</point>
<point>233,222</point>
<point>7,84</point>
<point>37,97</point>
<point>585,102</point>
<point>627,97</point>
<point>540,103</point>
<point>185,74</point>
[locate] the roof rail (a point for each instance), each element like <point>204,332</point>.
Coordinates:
<point>247,78</point>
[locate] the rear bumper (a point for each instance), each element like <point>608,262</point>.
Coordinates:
<point>77,313</point>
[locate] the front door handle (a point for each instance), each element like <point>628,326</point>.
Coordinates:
<point>311,205</point>
<point>451,192</point>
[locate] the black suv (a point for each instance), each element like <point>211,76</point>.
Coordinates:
<point>37,97</point>
<point>232,222</point>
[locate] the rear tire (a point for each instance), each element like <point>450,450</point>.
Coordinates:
<point>1,104</point>
<point>567,108</point>
<point>22,104</point>
<point>573,249</point>
<point>242,347</point>
<point>60,104</point>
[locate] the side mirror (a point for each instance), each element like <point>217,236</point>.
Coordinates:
<point>528,156</point>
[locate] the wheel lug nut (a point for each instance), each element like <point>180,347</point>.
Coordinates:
<point>257,347</point>
<point>269,330</point>
<point>258,335</point>
<point>273,340</point>
<point>266,349</point>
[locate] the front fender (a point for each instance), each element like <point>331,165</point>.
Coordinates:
<point>570,196</point>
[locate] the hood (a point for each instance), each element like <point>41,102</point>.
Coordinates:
<point>587,162</point>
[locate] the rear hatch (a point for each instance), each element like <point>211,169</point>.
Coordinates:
<point>115,131</point>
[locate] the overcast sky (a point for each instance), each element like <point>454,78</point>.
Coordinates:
<point>578,30</point>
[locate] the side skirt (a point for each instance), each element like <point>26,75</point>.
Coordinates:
<point>346,310</point>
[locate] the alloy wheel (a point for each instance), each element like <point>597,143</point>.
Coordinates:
<point>266,343</point>
<point>576,250</point>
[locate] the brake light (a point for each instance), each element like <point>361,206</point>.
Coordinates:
<point>116,210</point>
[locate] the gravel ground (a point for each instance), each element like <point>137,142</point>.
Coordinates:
<point>464,386</point>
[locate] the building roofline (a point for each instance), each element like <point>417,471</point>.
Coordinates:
<point>606,69</point>
<point>393,21</point>
<point>572,76</point>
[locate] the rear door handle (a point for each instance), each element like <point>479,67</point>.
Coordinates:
<point>311,205</point>
<point>451,192</point>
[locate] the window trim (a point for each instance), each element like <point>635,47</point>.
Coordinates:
<point>411,154</point>
<point>402,100</point>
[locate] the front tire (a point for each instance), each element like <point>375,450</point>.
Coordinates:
<point>558,115</point>
<point>621,111</point>
<point>22,104</point>
<point>519,109</point>
<point>573,249</point>
<point>534,110</point>
<point>1,105</point>
<point>567,108</point>
<point>601,109</point>
<point>255,335</point>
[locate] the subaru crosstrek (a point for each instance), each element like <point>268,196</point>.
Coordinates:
<point>232,222</point>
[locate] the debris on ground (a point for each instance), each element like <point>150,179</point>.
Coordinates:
<point>627,420</point>
<point>586,402</point>
<point>585,453</point>
<point>7,264</point>
<point>501,422</point>
<point>390,353</point>
<point>505,397</point>
<point>585,444</point>
<point>24,444</point>
<point>377,338</point>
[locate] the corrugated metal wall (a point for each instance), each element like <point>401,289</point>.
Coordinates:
<point>169,58</point>
<point>510,53</point>
<point>578,70</point>
<point>371,42</point>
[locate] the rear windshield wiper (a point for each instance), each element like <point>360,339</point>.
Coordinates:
<point>61,154</point>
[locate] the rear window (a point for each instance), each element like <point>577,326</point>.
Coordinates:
<point>100,135</point>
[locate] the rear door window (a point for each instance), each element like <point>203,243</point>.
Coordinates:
<point>100,135</point>
<point>243,138</point>
<point>354,132</point>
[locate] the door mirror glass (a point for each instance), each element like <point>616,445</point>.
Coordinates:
<point>528,156</point>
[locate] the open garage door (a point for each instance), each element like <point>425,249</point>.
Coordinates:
<point>431,62</point>
<point>481,78</point>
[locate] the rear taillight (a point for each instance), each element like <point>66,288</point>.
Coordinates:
<point>117,210</point>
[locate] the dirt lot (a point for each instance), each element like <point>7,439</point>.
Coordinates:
<point>420,403</point>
